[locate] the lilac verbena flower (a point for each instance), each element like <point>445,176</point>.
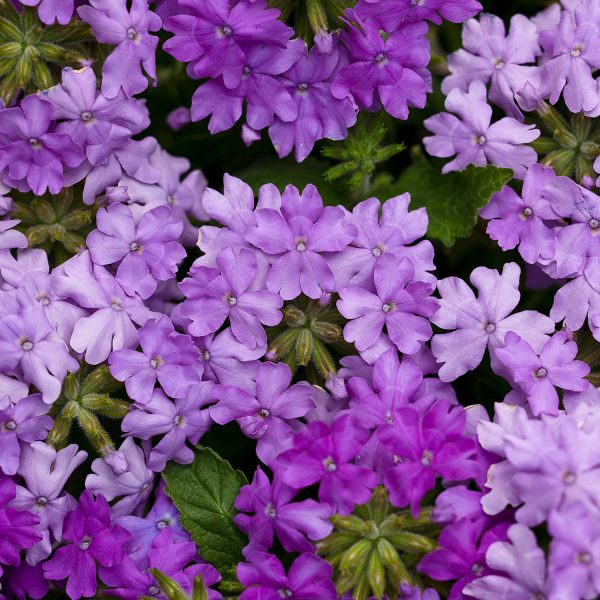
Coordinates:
<point>24,420</point>
<point>474,139</point>
<point>163,515</point>
<point>10,238</point>
<point>179,421</point>
<point>400,303</point>
<point>96,123</point>
<point>387,70</point>
<point>481,323</point>
<point>215,295</point>
<point>389,14</point>
<point>391,233</point>
<point>226,361</point>
<point>429,446</point>
<point>122,474</point>
<point>32,156</point>
<point>263,416</point>
<point>274,514</point>
<point>264,577</point>
<point>128,30</point>
<point>526,220</point>
<point>167,357</point>
<point>213,36</point>
<point>110,326</point>
<point>45,472</point>
<point>296,237</point>
<point>319,113</point>
<point>175,559</point>
<point>573,50</point>
<point>29,345</point>
<point>259,87</point>
<point>574,553</point>
<point>461,556</point>
<point>553,454</point>
<point>51,11</point>
<point>491,55</point>
<point>520,565</point>
<point>147,250</point>
<point>325,454</point>
<point>538,376</point>
<point>90,538</point>
<point>17,527</point>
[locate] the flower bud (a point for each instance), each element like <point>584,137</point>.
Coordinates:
<point>170,588</point>
<point>304,347</point>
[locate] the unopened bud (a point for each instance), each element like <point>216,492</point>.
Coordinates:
<point>59,433</point>
<point>37,234</point>
<point>106,406</point>
<point>356,556</point>
<point>170,588</point>
<point>72,242</point>
<point>376,575</point>
<point>293,316</point>
<point>283,344</point>
<point>98,381</point>
<point>70,387</point>
<point>199,590</point>
<point>396,570</point>
<point>94,431</point>
<point>412,543</point>
<point>328,332</point>
<point>77,219</point>
<point>304,346</point>
<point>322,359</point>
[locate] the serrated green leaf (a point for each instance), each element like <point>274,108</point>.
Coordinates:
<point>204,493</point>
<point>282,172</point>
<point>452,200</point>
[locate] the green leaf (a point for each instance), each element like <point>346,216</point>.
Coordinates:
<point>453,200</point>
<point>282,172</point>
<point>204,493</point>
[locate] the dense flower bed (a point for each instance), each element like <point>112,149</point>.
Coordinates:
<point>311,377</point>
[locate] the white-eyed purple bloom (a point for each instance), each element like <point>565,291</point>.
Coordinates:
<point>474,139</point>
<point>263,416</point>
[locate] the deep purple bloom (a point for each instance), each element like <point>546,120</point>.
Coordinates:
<point>481,323</point>
<point>263,416</point>
<point>226,293</point>
<point>179,421</point>
<point>387,70</point>
<point>213,36</point>
<point>128,30</point>
<point>400,303</point>
<point>320,114</point>
<point>122,474</point>
<point>391,233</point>
<point>462,554</point>
<point>45,472</point>
<point>474,139</point>
<point>526,220</point>
<point>490,55</point>
<point>308,578</point>
<point>24,581</point>
<point>297,236</point>
<point>167,357</point>
<point>259,87</point>
<point>163,515</point>
<point>25,421</point>
<point>324,454</point>
<point>95,122</point>
<point>110,326</point>
<point>521,567</point>
<point>17,527</point>
<point>276,514</point>
<point>91,538</point>
<point>428,446</point>
<point>32,157</point>
<point>29,343</point>
<point>389,14</point>
<point>147,250</point>
<point>537,376</point>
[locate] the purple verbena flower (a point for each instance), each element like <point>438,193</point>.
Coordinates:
<point>474,139</point>
<point>274,513</point>
<point>263,416</point>
<point>91,539</point>
<point>51,11</point>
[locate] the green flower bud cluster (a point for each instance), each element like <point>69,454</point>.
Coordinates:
<point>570,146</point>
<point>376,549</point>
<point>59,224</point>
<point>33,54</point>
<point>84,398</point>
<point>308,332</point>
